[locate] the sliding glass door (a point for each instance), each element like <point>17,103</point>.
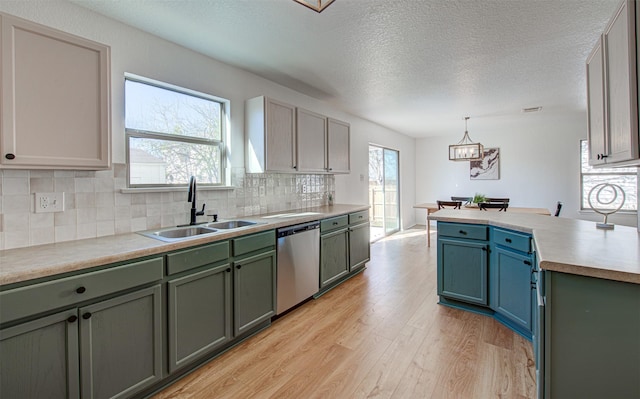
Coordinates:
<point>384,191</point>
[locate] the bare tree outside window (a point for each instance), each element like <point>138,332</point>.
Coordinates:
<point>172,134</point>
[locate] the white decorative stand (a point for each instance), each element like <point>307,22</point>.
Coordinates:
<point>611,190</point>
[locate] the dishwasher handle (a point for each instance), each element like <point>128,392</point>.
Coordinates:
<point>298,228</point>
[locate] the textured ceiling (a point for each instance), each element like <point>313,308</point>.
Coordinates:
<point>414,66</point>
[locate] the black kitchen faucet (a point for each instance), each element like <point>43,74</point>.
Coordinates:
<point>191,197</point>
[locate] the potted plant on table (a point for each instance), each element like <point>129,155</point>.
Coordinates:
<point>477,199</point>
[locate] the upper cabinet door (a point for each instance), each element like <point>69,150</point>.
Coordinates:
<point>312,141</point>
<point>619,44</point>
<point>280,136</point>
<point>55,99</point>
<point>596,106</point>
<point>270,136</point>
<point>338,139</point>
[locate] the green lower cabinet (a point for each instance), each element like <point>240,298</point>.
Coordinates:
<point>121,344</point>
<point>462,270</point>
<point>591,338</point>
<point>254,290</point>
<point>110,349</point>
<point>511,292</point>
<point>199,309</point>
<point>359,246</point>
<point>334,256</point>
<point>39,359</point>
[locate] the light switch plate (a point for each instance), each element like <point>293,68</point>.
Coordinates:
<point>49,202</point>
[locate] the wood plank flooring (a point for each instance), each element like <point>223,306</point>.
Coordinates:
<point>379,335</point>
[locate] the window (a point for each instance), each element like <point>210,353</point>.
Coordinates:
<point>172,134</point>
<point>627,178</point>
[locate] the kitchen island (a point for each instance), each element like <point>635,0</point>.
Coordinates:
<point>584,305</point>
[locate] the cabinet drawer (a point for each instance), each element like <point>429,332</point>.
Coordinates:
<point>511,239</point>
<point>459,230</point>
<point>37,298</point>
<point>334,223</point>
<point>195,257</point>
<point>254,242</point>
<point>358,217</point>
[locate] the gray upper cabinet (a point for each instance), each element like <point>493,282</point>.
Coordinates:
<point>615,140</point>
<point>283,138</point>
<point>312,143</point>
<point>338,146</point>
<point>55,108</point>
<point>595,106</point>
<point>270,136</point>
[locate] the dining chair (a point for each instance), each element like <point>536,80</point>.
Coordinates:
<point>447,204</point>
<point>501,206</point>
<point>497,200</point>
<point>558,208</point>
<point>466,200</point>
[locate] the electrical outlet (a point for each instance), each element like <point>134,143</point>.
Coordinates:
<point>304,189</point>
<point>49,202</point>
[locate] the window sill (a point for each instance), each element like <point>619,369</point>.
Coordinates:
<point>592,212</point>
<point>170,189</point>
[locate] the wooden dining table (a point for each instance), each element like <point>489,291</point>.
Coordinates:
<point>432,207</point>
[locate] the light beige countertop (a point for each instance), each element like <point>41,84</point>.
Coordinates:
<point>22,264</point>
<point>567,245</point>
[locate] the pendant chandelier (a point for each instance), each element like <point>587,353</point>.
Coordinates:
<point>316,5</point>
<point>466,150</point>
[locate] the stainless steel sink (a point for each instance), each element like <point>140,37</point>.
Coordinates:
<point>230,224</point>
<point>178,233</point>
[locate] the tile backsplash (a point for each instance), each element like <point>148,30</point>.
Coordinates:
<point>95,205</point>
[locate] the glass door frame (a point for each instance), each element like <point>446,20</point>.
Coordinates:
<point>385,230</point>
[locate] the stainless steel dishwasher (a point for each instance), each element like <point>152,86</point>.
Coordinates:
<point>298,264</point>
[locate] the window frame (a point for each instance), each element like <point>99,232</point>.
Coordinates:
<point>222,144</point>
<point>582,174</point>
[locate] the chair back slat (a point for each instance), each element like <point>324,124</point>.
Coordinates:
<point>497,200</point>
<point>449,204</point>
<point>466,200</point>
<point>500,206</point>
<point>558,209</point>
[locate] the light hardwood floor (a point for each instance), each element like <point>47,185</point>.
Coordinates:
<point>379,335</point>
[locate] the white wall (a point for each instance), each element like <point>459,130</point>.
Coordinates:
<point>539,164</point>
<point>143,54</point>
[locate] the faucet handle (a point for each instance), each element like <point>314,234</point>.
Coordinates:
<point>200,213</point>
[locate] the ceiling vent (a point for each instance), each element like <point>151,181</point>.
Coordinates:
<point>532,109</point>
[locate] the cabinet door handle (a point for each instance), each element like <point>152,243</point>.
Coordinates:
<point>81,290</point>
<point>484,249</point>
<point>335,223</point>
<point>508,240</point>
<point>86,316</point>
<point>527,262</point>
<point>72,319</point>
<point>238,267</point>
<point>464,233</point>
<point>228,270</point>
<point>10,156</point>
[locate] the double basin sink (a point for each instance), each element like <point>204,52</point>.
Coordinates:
<point>184,232</point>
